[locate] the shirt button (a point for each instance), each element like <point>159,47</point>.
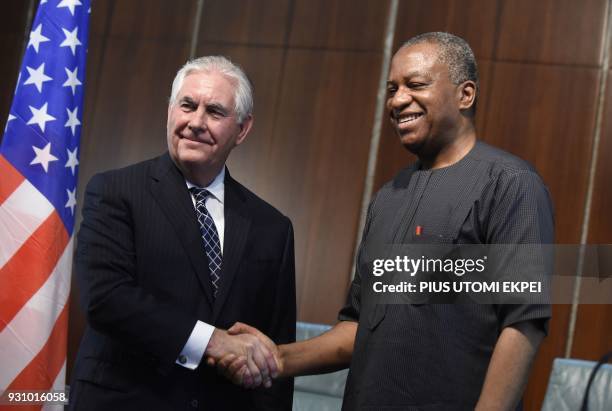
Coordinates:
<point>194,403</point>
<point>182,359</point>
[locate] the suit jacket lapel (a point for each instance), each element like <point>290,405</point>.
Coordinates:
<point>167,185</point>
<point>237,224</point>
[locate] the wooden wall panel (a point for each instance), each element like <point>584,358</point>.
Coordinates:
<point>256,22</point>
<point>317,167</point>
<point>12,28</point>
<point>339,24</point>
<point>593,336</point>
<point>152,19</point>
<point>546,115</point>
<point>473,20</point>
<point>485,69</point>
<point>552,31</point>
<point>600,227</point>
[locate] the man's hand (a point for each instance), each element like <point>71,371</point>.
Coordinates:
<point>328,352</point>
<point>236,369</point>
<point>252,358</point>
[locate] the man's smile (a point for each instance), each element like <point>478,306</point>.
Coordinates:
<point>407,120</point>
<point>208,141</point>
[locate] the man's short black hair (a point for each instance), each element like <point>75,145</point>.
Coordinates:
<point>456,53</point>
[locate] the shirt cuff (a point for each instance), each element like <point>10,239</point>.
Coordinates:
<point>193,351</point>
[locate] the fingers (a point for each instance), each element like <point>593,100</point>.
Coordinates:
<point>260,357</point>
<point>271,355</point>
<point>237,368</point>
<point>241,328</point>
<point>272,364</point>
<point>253,369</point>
<point>247,378</point>
<point>244,355</point>
<point>224,363</point>
<point>234,368</point>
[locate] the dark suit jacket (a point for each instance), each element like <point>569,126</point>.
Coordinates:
<point>144,282</point>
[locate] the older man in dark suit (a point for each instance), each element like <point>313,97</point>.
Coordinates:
<point>171,252</point>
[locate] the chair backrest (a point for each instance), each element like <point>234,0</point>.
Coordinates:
<point>567,384</point>
<point>317,392</point>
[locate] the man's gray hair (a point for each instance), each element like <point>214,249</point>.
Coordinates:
<point>243,94</point>
<point>455,53</point>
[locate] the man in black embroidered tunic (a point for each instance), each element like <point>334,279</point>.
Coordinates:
<point>460,191</point>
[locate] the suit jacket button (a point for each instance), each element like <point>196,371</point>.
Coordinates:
<point>182,359</point>
<point>194,403</point>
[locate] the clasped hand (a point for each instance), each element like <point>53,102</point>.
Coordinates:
<point>244,355</point>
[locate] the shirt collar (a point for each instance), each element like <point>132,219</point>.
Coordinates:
<point>216,187</point>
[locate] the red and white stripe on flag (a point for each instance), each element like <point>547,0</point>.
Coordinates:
<point>35,264</point>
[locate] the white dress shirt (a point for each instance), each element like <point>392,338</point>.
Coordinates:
<point>193,351</point>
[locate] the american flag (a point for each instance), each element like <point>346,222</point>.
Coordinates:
<point>38,176</point>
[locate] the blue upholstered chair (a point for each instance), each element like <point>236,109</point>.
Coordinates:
<point>567,384</point>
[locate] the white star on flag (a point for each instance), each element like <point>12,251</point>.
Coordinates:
<point>71,4</point>
<point>73,121</point>
<point>72,159</point>
<point>72,81</point>
<point>10,117</point>
<point>36,38</point>
<point>37,77</point>
<point>71,203</point>
<point>40,116</point>
<point>42,2</point>
<point>71,39</point>
<point>43,156</point>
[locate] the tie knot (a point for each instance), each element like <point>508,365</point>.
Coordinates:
<point>200,194</point>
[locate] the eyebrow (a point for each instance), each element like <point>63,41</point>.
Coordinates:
<point>411,74</point>
<point>186,99</point>
<point>218,107</point>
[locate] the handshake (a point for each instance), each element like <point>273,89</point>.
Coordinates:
<point>245,356</point>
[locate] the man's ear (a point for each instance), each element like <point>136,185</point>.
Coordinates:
<point>245,127</point>
<point>467,94</point>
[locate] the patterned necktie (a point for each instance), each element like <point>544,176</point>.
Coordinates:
<point>212,245</point>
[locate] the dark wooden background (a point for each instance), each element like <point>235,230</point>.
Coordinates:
<point>546,95</point>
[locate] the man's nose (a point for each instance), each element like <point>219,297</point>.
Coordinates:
<point>197,122</point>
<point>400,100</point>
